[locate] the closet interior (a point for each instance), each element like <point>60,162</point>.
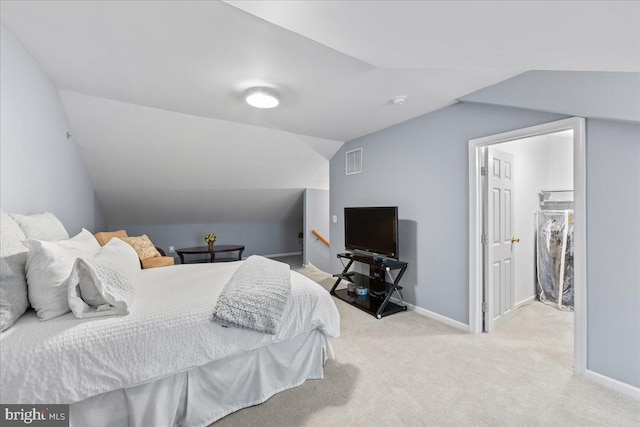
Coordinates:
<point>554,248</point>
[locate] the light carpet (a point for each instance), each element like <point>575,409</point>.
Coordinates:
<point>409,370</point>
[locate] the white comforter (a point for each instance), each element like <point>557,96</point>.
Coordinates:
<point>169,330</point>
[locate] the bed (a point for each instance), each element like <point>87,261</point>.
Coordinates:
<point>166,362</point>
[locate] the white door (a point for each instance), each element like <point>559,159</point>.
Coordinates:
<point>498,260</point>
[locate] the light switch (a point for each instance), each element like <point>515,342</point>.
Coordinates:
<point>172,249</point>
<point>335,219</point>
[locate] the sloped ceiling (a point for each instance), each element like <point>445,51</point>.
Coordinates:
<point>153,89</point>
<point>154,166</point>
<point>593,94</point>
<point>516,35</point>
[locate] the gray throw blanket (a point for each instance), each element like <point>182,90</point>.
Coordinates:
<point>256,296</point>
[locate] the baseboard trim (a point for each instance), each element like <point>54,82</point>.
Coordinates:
<point>525,301</point>
<point>619,386</point>
<point>284,254</point>
<point>435,316</point>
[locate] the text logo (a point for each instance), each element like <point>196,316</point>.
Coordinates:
<point>34,415</point>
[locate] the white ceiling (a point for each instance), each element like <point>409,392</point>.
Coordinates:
<point>162,82</point>
<point>497,35</point>
<point>199,57</point>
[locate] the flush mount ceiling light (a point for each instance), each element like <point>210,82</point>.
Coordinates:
<point>261,97</point>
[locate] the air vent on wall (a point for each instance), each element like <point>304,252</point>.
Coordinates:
<point>354,161</point>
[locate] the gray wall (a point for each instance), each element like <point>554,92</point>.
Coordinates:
<point>316,216</point>
<point>613,249</point>
<point>259,238</point>
<point>40,170</point>
<point>421,166</point>
<point>598,94</point>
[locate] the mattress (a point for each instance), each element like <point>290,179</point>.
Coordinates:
<point>169,330</point>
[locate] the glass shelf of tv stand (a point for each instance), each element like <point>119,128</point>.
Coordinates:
<point>369,303</point>
<point>374,303</point>
<point>373,260</point>
<point>359,279</point>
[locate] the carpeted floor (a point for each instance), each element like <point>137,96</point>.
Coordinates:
<point>408,370</point>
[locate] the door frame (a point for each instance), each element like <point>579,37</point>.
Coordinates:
<point>577,124</point>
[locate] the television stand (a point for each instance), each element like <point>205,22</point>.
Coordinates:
<point>377,301</point>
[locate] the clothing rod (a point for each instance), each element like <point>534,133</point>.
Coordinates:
<point>555,191</point>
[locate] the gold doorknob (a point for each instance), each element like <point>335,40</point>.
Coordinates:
<point>514,240</point>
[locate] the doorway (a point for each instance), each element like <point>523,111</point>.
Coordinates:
<point>528,197</point>
<point>479,149</point>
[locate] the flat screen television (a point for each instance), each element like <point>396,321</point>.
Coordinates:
<point>372,229</point>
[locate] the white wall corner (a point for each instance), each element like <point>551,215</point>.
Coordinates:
<point>525,301</point>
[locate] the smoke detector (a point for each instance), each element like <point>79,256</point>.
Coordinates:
<point>399,100</point>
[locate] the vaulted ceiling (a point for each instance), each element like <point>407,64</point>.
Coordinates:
<point>154,89</point>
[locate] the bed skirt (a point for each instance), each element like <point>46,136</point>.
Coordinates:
<point>204,394</point>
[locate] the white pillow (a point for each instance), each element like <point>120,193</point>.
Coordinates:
<point>49,265</point>
<point>118,254</point>
<point>13,283</point>
<point>103,285</point>
<point>44,226</point>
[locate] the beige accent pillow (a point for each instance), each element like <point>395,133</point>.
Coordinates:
<point>143,246</point>
<point>103,237</point>
<point>162,261</point>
